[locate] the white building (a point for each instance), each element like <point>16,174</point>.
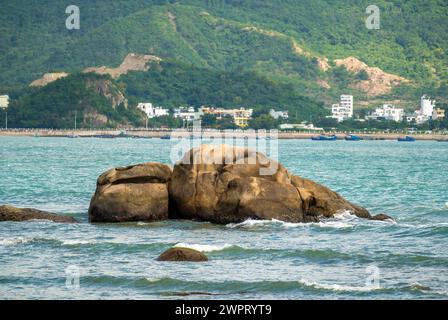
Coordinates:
<point>426,111</point>
<point>151,111</point>
<point>389,112</point>
<point>347,102</point>
<point>427,106</point>
<point>186,113</point>
<point>416,117</point>
<point>279,114</point>
<point>299,126</point>
<point>343,110</point>
<point>4,101</point>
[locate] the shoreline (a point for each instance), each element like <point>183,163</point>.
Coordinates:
<point>139,133</point>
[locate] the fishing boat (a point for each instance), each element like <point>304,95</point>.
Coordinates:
<point>105,136</point>
<point>442,140</point>
<point>352,137</point>
<point>324,138</point>
<point>407,139</point>
<point>166,137</point>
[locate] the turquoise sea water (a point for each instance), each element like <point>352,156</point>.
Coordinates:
<point>252,260</point>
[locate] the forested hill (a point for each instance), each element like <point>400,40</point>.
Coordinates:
<point>322,48</point>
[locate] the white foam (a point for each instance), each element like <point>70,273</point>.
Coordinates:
<point>328,223</point>
<point>446,204</point>
<point>76,242</point>
<point>337,287</point>
<point>249,223</point>
<point>344,215</point>
<point>14,241</point>
<point>333,224</point>
<point>203,247</point>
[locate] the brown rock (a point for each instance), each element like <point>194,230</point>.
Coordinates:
<point>319,200</point>
<point>182,254</point>
<point>381,217</point>
<point>225,184</point>
<point>222,184</point>
<point>9,213</point>
<point>135,193</point>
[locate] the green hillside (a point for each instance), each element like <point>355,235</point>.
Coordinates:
<point>170,84</point>
<point>96,101</point>
<point>279,40</point>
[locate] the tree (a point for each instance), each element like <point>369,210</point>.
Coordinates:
<point>264,121</point>
<point>362,75</point>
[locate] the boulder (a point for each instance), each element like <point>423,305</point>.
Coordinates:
<point>381,217</point>
<point>182,254</point>
<point>225,184</point>
<point>134,193</point>
<point>9,213</point>
<point>318,200</point>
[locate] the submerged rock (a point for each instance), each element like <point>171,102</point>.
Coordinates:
<point>134,193</point>
<point>224,184</point>
<point>381,217</point>
<point>9,213</point>
<point>182,254</point>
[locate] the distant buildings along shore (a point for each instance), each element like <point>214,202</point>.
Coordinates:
<point>427,111</point>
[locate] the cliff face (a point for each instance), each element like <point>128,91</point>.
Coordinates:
<point>108,90</point>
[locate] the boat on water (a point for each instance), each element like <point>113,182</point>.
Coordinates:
<point>166,137</point>
<point>324,138</point>
<point>352,137</point>
<point>407,139</point>
<point>442,140</point>
<point>72,136</point>
<point>105,136</point>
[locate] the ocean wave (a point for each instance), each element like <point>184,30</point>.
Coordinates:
<point>337,287</point>
<point>14,241</point>
<point>250,223</point>
<point>204,247</point>
<point>342,220</point>
<point>77,242</point>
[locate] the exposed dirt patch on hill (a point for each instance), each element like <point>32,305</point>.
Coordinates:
<point>379,82</point>
<point>172,20</point>
<point>324,84</point>
<point>323,64</point>
<point>48,78</point>
<point>132,62</point>
<point>269,33</point>
<point>299,50</point>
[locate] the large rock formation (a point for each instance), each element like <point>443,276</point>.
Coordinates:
<point>9,213</point>
<point>220,184</point>
<point>135,193</point>
<point>223,184</point>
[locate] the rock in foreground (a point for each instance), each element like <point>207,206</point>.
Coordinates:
<point>219,184</point>
<point>135,193</point>
<point>240,184</point>
<point>9,213</point>
<point>182,254</point>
